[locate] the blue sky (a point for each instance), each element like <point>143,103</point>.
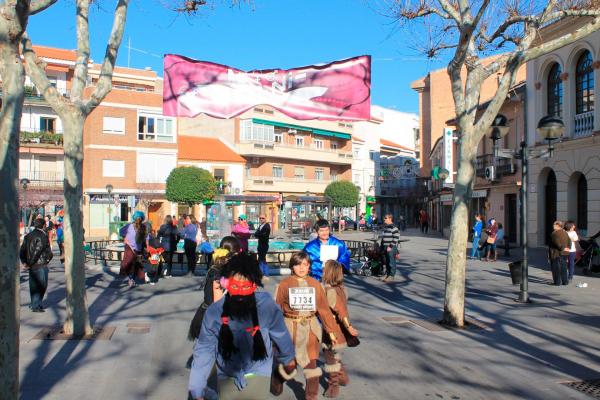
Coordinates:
<point>266,34</point>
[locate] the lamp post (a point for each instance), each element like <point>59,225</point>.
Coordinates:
<point>24,183</point>
<point>109,189</point>
<point>550,128</point>
<point>442,175</point>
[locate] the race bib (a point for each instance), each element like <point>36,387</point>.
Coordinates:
<point>328,252</point>
<point>303,299</point>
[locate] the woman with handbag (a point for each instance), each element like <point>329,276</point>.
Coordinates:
<point>134,236</point>
<point>333,279</point>
<point>492,231</point>
<point>168,235</point>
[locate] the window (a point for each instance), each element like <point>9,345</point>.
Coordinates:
<point>113,125</point>
<point>113,168</point>
<point>277,171</point>
<point>157,129</point>
<point>154,167</point>
<point>248,171</point>
<point>333,175</point>
<point>334,145</point>
<point>256,132</point>
<point>299,172</point>
<point>372,155</point>
<point>278,137</point>
<point>584,84</point>
<point>47,124</point>
<point>357,179</point>
<point>356,153</point>
<point>299,141</point>
<point>555,91</point>
<point>319,174</point>
<point>219,174</point>
<point>317,143</point>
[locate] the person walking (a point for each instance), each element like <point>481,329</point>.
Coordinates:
<point>135,236</point>
<point>49,228</point>
<point>559,246</point>
<point>241,344</point>
<point>337,298</point>
<point>241,230</point>
<point>477,228</point>
<point>390,236</point>
<point>424,220</point>
<point>168,236</point>
<point>492,231</point>
<point>262,234</point>
<point>190,232</point>
<point>326,247</point>
<point>570,229</point>
<point>302,299</point>
<point>35,254</point>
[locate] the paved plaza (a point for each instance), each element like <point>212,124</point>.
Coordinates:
<point>513,351</point>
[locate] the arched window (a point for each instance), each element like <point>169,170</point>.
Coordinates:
<point>584,84</point>
<point>555,91</point>
<point>582,208</point>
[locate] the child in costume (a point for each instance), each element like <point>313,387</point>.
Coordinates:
<point>302,299</point>
<point>333,279</point>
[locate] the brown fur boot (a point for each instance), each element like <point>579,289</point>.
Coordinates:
<point>311,391</point>
<point>343,378</point>
<point>278,378</point>
<point>333,383</point>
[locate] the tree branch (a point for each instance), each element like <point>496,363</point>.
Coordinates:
<point>83,51</point>
<point>36,69</point>
<point>110,57</point>
<point>451,11</point>
<point>38,6</point>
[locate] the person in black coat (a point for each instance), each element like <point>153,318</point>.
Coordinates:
<point>169,237</point>
<point>35,254</point>
<point>262,234</point>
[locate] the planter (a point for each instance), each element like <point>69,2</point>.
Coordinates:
<point>515,272</point>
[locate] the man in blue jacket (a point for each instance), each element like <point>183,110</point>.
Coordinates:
<point>326,247</point>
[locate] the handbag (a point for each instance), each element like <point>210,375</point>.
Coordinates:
<point>351,341</point>
<point>491,240</point>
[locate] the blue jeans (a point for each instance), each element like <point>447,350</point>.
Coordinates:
<point>475,249</point>
<point>390,261</point>
<point>262,259</point>
<point>38,283</point>
<point>571,264</point>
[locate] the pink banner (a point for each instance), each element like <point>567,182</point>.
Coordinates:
<point>340,90</point>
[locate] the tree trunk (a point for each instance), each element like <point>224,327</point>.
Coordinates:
<point>454,299</point>
<point>13,79</point>
<point>78,319</point>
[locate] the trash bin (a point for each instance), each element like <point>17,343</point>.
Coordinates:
<point>515,272</point>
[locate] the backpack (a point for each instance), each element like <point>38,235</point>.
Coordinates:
<point>123,230</point>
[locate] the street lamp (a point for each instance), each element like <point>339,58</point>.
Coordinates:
<point>109,189</point>
<point>24,182</point>
<point>550,128</point>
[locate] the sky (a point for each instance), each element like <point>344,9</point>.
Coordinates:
<point>266,34</point>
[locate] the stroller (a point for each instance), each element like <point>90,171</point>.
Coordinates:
<point>589,260</point>
<point>155,259</point>
<point>374,263</point>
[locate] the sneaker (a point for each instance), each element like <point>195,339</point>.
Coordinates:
<point>146,277</point>
<point>39,309</point>
<point>168,276</point>
<point>152,283</point>
<point>130,283</point>
<point>165,272</point>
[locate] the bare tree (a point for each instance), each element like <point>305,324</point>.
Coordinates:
<point>472,29</point>
<point>14,15</point>
<point>73,111</point>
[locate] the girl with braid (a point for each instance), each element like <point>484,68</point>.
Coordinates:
<point>237,340</point>
<point>302,300</point>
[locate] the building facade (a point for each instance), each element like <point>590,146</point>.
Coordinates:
<point>565,186</point>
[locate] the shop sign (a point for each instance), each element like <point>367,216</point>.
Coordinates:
<point>479,194</point>
<point>446,198</point>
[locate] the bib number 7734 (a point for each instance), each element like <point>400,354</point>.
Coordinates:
<point>303,299</point>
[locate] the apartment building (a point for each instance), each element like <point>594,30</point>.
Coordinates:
<point>41,155</point>
<point>129,150</point>
<point>565,186</point>
<point>288,162</point>
<point>436,107</point>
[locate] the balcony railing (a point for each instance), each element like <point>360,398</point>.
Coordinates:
<point>504,166</point>
<point>584,124</point>
<point>43,178</point>
<point>270,180</point>
<point>260,148</point>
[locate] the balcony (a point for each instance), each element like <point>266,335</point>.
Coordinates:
<point>504,166</point>
<point>278,150</point>
<point>43,179</point>
<point>41,138</point>
<point>293,185</point>
<point>584,124</point>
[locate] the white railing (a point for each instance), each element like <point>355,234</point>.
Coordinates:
<point>262,179</point>
<point>274,145</point>
<point>584,124</point>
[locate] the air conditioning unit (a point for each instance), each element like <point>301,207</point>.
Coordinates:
<point>255,160</point>
<point>292,131</point>
<point>490,173</point>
